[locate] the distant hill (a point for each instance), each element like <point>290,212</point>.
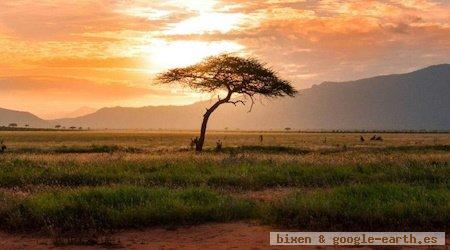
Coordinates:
<point>21,119</point>
<point>416,100</point>
<point>72,114</point>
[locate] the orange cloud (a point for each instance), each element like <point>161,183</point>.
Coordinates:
<point>62,20</point>
<point>70,88</point>
<point>112,63</point>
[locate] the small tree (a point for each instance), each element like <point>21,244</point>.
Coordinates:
<point>235,75</point>
<point>58,126</point>
<point>12,125</point>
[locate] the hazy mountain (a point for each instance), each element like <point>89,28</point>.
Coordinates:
<point>71,114</point>
<point>416,100</point>
<point>21,118</point>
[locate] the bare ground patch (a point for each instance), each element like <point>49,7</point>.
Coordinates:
<point>239,235</point>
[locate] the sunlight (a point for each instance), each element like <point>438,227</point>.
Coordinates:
<point>206,22</point>
<point>196,5</point>
<point>164,54</point>
<point>149,13</point>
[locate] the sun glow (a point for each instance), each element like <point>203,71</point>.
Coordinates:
<point>167,48</point>
<point>206,23</point>
<point>196,5</point>
<point>169,54</point>
<point>149,13</point>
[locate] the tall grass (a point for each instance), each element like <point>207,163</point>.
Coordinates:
<point>366,207</point>
<point>242,173</point>
<point>105,208</point>
<point>357,207</point>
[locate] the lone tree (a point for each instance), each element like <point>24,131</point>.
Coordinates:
<point>244,77</point>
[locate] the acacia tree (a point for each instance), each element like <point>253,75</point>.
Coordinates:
<point>243,77</point>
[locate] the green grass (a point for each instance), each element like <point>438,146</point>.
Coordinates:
<point>243,173</point>
<point>357,207</point>
<point>369,207</point>
<point>104,208</point>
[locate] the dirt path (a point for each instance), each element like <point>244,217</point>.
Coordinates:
<point>240,235</point>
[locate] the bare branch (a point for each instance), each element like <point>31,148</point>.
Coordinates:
<point>251,106</point>
<point>236,102</point>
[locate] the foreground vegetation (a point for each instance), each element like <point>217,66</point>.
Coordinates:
<point>120,207</point>
<point>247,172</point>
<point>367,207</point>
<point>58,182</point>
<point>356,207</point>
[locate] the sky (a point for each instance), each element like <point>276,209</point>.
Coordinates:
<point>59,55</point>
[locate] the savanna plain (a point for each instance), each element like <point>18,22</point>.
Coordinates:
<point>78,186</point>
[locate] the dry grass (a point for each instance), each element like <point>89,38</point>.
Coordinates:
<point>156,140</point>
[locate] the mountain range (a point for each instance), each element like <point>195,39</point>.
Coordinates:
<point>412,101</point>
<point>71,114</point>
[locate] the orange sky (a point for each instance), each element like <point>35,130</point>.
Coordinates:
<point>59,55</point>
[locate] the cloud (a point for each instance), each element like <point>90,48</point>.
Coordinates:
<point>64,20</point>
<point>82,62</point>
<point>70,89</point>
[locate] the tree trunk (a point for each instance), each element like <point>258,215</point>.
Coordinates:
<point>201,139</point>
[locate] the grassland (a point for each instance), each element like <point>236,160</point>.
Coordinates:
<point>58,182</point>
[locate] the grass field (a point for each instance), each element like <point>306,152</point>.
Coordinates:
<point>62,181</point>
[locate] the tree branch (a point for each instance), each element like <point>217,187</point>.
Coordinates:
<point>236,102</point>
<point>251,106</point>
<point>253,101</point>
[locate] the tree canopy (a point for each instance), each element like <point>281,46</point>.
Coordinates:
<point>233,74</point>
